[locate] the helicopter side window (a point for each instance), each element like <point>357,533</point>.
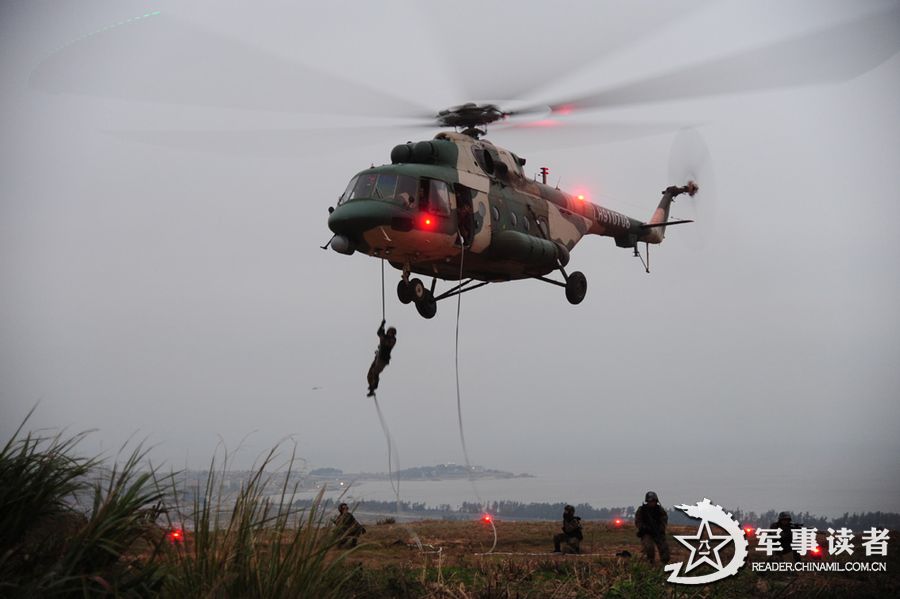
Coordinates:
<point>525,224</point>
<point>364,187</point>
<point>346,195</point>
<point>385,187</point>
<point>406,189</point>
<point>438,198</point>
<point>513,219</point>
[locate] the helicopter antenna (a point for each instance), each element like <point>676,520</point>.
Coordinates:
<point>558,181</point>
<point>544,172</point>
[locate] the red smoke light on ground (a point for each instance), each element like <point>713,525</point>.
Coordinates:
<point>817,551</point>
<point>487,518</point>
<point>748,530</point>
<point>176,535</point>
<point>617,522</point>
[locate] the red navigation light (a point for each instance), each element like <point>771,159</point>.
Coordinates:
<point>486,518</point>
<point>581,196</point>
<point>427,222</point>
<point>176,535</point>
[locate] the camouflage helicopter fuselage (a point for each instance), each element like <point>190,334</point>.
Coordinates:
<point>457,193</point>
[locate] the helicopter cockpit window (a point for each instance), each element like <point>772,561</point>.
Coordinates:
<point>364,187</point>
<point>406,189</point>
<point>385,187</point>
<point>346,195</point>
<point>438,197</point>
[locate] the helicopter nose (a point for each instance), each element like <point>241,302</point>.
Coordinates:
<point>358,216</point>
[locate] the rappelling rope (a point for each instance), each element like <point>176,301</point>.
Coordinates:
<point>462,434</point>
<point>383,317</point>
<point>391,447</point>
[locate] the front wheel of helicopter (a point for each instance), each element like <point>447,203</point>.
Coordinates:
<point>427,306</point>
<point>404,292</point>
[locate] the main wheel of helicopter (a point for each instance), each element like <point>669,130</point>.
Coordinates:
<point>427,306</point>
<point>576,287</point>
<point>404,292</point>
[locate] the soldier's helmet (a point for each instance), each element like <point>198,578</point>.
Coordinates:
<point>784,516</point>
<point>392,332</point>
<point>343,507</point>
<point>569,509</point>
<point>650,496</point>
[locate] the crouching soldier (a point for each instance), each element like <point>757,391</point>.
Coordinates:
<point>785,528</point>
<point>571,536</point>
<point>346,528</point>
<point>651,520</point>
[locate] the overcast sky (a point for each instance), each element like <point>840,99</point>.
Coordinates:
<point>163,193</point>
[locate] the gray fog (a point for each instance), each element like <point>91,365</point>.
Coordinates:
<point>165,175</point>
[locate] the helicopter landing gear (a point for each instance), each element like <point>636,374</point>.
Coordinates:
<point>412,291</point>
<point>404,293</point>
<point>576,287</point>
<point>427,305</point>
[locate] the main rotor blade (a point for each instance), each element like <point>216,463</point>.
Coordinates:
<point>273,142</point>
<point>555,134</point>
<point>501,54</point>
<point>830,55</point>
<point>163,59</point>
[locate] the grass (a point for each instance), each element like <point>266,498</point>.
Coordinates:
<point>75,526</point>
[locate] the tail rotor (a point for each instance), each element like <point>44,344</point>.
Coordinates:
<point>690,165</point>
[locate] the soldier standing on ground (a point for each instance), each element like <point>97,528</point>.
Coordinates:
<point>571,533</point>
<point>386,342</point>
<point>651,520</point>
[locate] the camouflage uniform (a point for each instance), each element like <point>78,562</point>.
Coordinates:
<point>571,533</point>
<point>346,527</point>
<point>651,520</point>
<point>386,342</point>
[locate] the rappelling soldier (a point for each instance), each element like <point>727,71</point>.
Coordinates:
<point>650,520</point>
<point>569,540</point>
<point>386,342</point>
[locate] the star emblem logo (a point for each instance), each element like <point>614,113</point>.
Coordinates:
<point>704,546</point>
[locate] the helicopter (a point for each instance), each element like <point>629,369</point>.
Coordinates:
<point>460,208</point>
